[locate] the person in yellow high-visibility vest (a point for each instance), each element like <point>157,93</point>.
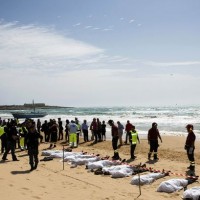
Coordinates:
<point>1,130</point>
<point>23,132</point>
<point>73,134</point>
<point>3,138</point>
<point>133,135</point>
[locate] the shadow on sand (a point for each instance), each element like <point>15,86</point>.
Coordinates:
<point>151,161</point>
<point>20,172</point>
<point>23,155</point>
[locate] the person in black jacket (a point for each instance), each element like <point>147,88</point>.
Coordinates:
<point>153,135</point>
<point>190,146</point>
<point>32,139</point>
<point>11,135</point>
<point>45,129</point>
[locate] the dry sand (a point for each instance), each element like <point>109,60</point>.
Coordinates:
<point>50,181</point>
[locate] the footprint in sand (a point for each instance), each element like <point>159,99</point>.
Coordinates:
<point>25,188</point>
<point>36,197</point>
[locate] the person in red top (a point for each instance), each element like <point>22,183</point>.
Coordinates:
<point>115,138</point>
<point>190,146</point>
<point>153,135</point>
<point>128,129</point>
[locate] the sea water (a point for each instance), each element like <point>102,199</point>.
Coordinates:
<point>171,120</point>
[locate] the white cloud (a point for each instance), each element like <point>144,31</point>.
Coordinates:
<point>38,47</point>
<point>78,24</point>
<point>96,28</point>
<point>87,27</point>
<point>107,29</point>
<point>165,64</point>
<point>99,87</point>
<point>28,52</point>
<point>131,21</point>
<point>30,48</point>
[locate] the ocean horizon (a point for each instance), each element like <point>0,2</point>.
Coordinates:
<point>171,119</point>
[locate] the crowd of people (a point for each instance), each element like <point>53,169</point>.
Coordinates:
<point>28,134</point>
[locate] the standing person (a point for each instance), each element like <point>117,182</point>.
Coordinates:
<point>3,137</point>
<point>54,134</point>
<point>153,135</point>
<point>103,130</point>
<point>23,132</point>
<point>32,139</point>
<point>78,124</point>
<point>99,130</point>
<point>78,133</point>
<point>94,130</point>
<point>11,135</point>
<point>67,131</point>
<point>73,134</point>
<point>38,125</point>
<point>128,128</point>
<point>84,128</point>
<point>133,140</point>
<point>190,146</point>
<point>115,137</point>
<point>45,129</point>
<point>60,129</point>
<point>120,132</point>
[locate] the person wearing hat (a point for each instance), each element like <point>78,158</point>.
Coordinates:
<point>153,135</point>
<point>115,138</point>
<point>190,146</point>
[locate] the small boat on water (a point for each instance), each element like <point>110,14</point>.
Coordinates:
<point>28,114</point>
<point>20,115</point>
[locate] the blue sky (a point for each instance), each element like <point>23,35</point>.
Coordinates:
<point>100,53</point>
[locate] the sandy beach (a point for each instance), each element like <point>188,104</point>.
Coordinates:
<point>50,181</point>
